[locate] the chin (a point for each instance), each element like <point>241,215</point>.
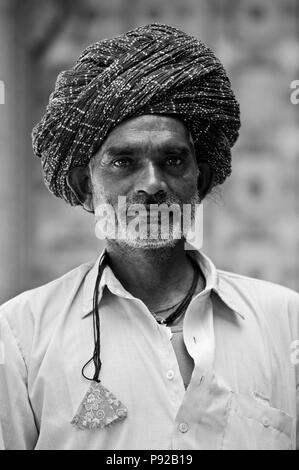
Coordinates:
<point>150,244</point>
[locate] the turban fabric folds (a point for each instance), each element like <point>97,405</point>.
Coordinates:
<point>153,69</point>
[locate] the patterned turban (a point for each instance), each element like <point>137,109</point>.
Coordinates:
<point>153,69</point>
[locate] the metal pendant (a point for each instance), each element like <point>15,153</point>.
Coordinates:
<point>160,320</point>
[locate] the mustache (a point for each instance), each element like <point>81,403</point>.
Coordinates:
<point>158,199</point>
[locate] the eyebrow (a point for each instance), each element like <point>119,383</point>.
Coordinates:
<point>130,148</point>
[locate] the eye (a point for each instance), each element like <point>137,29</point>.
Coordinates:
<point>121,162</point>
<point>174,161</point>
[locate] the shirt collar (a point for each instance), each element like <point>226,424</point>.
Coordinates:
<point>213,283</point>
<point>108,279</point>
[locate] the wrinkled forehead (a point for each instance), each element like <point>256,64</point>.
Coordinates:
<point>149,129</point>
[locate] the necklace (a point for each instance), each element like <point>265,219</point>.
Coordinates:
<point>183,304</point>
<point>167,308</point>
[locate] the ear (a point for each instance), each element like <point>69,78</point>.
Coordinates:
<point>205,178</point>
<point>79,181</point>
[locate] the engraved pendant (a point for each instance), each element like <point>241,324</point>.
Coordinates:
<point>99,409</point>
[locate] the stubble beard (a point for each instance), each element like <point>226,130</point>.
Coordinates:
<point>158,242</point>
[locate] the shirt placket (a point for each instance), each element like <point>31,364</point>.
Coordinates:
<point>170,369</point>
<point>200,342</point>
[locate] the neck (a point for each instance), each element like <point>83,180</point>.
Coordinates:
<point>158,277</point>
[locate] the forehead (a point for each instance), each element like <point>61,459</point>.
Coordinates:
<point>149,129</point>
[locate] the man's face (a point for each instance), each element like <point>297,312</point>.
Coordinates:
<point>149,160</point>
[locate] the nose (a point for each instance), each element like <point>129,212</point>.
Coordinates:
<point>151,180</point>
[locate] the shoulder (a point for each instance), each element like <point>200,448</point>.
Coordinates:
<point>271,299</point>
<point>42,295</point>
<point>258,287</point>
<point>38,309</point>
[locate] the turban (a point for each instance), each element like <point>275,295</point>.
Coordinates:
<point>153,69</point>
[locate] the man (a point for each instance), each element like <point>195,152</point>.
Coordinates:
<point>151,347</point>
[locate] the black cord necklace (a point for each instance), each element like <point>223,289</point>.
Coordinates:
<point>96,358</point>
<point>96,317</point>
<point>182,307</point>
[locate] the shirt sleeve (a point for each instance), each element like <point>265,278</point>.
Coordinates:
<point>17,426</point>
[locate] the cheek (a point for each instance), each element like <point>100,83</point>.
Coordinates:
<point>99,193</point>
<point>105,193</point>
<point>187,186</point>
<point>106,183</point>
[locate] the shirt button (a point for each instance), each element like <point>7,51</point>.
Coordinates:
<point>183,427</point>
<point>170,374</point>
<point>266,422</point>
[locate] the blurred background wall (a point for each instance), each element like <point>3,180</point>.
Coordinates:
<point>251,224</point>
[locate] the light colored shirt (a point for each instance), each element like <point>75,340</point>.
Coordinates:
<point>185,361</point>
<point>239,331</point>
